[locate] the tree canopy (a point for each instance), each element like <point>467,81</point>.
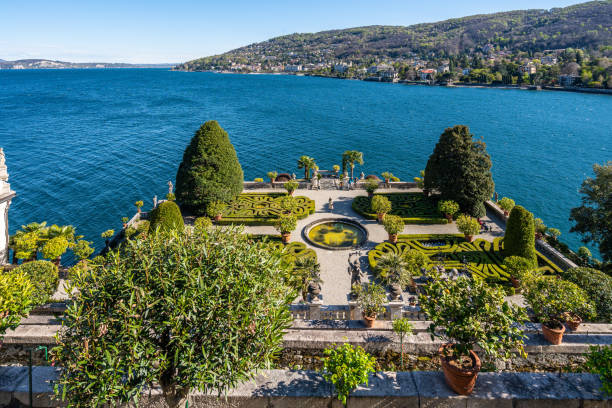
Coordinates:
<point>460,169</point>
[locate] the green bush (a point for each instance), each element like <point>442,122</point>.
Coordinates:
<point>286,224</point>
<point>371,298</point>
<point>346,368</point>
<point>506,204</point>
<point>414,208</point>
<point>599,361</point>
<point>16,299</point>
<point>291,186</point>
<point>468,225</point>
<point>166,216</point>
<point>264,208</point>
<point>449,207</point>
<point>519,239</point>
<point>44,277</point>
<point>393,224</point>
<point>82,249</point>
<point>55,247</point>
<point>210,170</point>
<point>598,287</point>
<point>202,224</point>
<point>216,208</point>
<point>380,204</point>
<point>520,269</point>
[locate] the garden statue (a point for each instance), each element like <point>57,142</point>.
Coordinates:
<point>170,187</point>
<point>361,176</point>
<point>155,202</point>
<point>330,204</point>
<point>355,272</point>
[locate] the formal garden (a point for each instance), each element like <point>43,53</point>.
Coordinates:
<point>198,292</point>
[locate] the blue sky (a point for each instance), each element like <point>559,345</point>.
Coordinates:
<point>178,30</point>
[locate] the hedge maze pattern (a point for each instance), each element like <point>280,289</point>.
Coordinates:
<point>291,251</point>
<point>263,208</point>
<point>484,259</point>
<point>414,208</point>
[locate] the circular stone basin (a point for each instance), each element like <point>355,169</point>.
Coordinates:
<point>335,233</point>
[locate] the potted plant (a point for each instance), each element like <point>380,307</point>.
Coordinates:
<point>342,177</point>
<point>307,272</point>
<point>124,220</point>
<point>402,327</point>
<point>336,169</point>
<point>291,186</point>
<point>285,225</point>
<point>468,226</point>
<point>371,299</point>
<point>371,186</point>
<point>272,176</point>
<point>258,180</point>
<point>138,205</point>
<point>466,313</point>
<point>215,210</point>
<point>506,204</point>
<point>381,206</point>
<point>387,175</point>
<point>551,298</point>
<point>521,271</point>
<point>392,269</point>
<point>288,204</point>
<point>393,225</point>
<point>540,228</point>
<point>449,208</point>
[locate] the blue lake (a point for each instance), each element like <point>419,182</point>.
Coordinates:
<point>83,145</point>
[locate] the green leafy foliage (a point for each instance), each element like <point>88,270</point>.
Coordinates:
<point>414,208</point>
<point>44,278</point>
<point>210,170</point>
<point>307,163</point>
<point>350,158</point>
<point>506,204</point>
<point>186,311</point>
<point>449,207</point>
<point>82,249</point>
<point>139,204</point>
<point>286,223</point>
<point>55,247</point>
<point>346,367</point>
<point>202,224</point>
<point>170,197</point>
<point>550,298</point>
<point>380,204</point>
<point>593,219</point>
<point>291,186</point>
<point>272,175</point>
<point>371,298</point>
<point>265,208</point>
<point>166,216</point>
<point>519,239</point>
<point>16,299</point>
<point>108,233</point>
<point>598,287</point>
<point>387,175</point>
<point>371,186</point>
<point>599,361</point>
<point>216,208</point>
<point>520,269</point>
<point>393,224</point>
<point>469,313</point>
<point>460,169</point>
<point>468,225</point>
<point>402,327</point>
<point>306,269</point>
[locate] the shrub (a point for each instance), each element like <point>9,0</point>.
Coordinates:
<point>272,176</point>
<point>138,205</point>
<point>16,292</point>
<point>380,204</point>
<point>44,277</point>
<point>449,207</point>
<point>597,285</point>
<point>539,226</point>
<point>395,179</point>
<point>468,225</point>
<point>392,268</point>
<point>599,361</point>
<point>291,186</point>
<point>286,224</point>
<point>467,312</point>
<point>55,248</point>
<point>209,171</point>
<point>346,368</point>
<point>166,216</point>
<point>550,298</point>
<point>420,181</point>
<point>108,233</point>
<point>506,204</point>
<point>371,186</point>
<point>288,204</point>
<point>402,327</point>
<point>393,224</point>
<point>554,233</point>
<point>181,310</point>
<point>82,249</point>
<point>258,180</point>
<point>371,298</point>
<point>520,269</point>
<point>216,208</point>
<point>305,269</point>
<point>170,197</point>
<point>414,208</point>
<point>387,175</point>
<point>519,238</point>
<point>201,224</point>
<point>584,253</point>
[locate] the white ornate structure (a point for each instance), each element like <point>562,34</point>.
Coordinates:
<point>6,195</point>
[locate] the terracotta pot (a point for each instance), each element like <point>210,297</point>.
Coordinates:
<point>573,321</point>
<point>286,237</point>
<point>380,217</point>
<point>368,320</point>
<point>460,381</point>
<point>218,217</point>
<point>290,193</point>
<point>449,218</point>
<point>554,336</point>
<point>469,238</point>
<point>393,238</point>
<point>515,282</point>
<point>506,213</point>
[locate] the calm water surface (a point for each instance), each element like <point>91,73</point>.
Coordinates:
<point>83,145</point>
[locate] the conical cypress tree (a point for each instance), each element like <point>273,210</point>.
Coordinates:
<point>519,239</point>
<point>460,169</point>
<point>210,170</point>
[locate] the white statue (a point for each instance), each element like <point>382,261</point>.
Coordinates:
<point>5,187</point>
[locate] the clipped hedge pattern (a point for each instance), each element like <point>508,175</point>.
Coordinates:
<point>414,208</point>
<point>484,258</point>
<point>262,209</point>
<point>291,251</point>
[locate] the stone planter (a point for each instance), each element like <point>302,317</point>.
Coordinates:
<point>286,237</point>
<point>396,291</point>
<point>368,321</point>
<point>553,336</point>
<point>393,238</point>
<point>314,289</point>
<point>460,381</point>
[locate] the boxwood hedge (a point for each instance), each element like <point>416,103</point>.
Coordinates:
<point>262,209</point>
<point>413,208</point>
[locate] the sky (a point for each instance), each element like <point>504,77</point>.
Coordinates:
<point>172,31</point>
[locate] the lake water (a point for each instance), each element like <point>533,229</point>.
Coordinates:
<point>83,145</point>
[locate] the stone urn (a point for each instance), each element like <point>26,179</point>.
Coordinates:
<point>396,291</point>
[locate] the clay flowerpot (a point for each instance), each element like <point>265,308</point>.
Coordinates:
<point>449,218</point>
<point>369,320</point>
<point>469,238</point>
<point>461,381</point>
<point>506,213</point>
<point>393,238</point>
<point>515,282</point>
<point>218,217</point>
<point>573,321</point>
<point>286,237</point>
<point>554,336</point>
<point>380,217</point>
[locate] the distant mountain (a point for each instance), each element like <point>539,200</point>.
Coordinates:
<point>50,64</point>
<point>586,25</point>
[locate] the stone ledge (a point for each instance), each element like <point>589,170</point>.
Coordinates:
<point>284,388</point>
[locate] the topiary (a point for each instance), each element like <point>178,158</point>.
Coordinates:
<point>380,204</point>
<point>43,275</point>
<point>201,224</point>
<point>166,216</point>
<point>393,224</point>
<point>210,170</point>
<point>519,239</point>
<point>467,225</point>
<point>598,287</point>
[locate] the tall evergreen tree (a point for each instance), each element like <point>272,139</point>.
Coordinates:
<point>519,239</point>
<point>210,170</point>
<point>460,169</point>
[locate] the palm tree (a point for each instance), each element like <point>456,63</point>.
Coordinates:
<point>350,157</point>
<point>392,267</point>
<point>306,163</point>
